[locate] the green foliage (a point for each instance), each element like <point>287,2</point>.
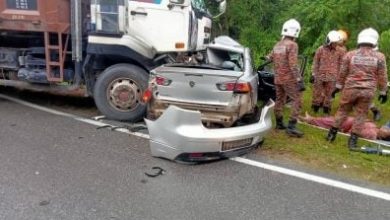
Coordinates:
<point>384,46</point>
<point>257,23</point>
<point>250,22</point>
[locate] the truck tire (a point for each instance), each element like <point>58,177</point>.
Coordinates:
<point>118,92</point>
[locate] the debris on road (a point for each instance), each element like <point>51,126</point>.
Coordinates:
<point>98,118</point>
<point>131,127</point>
<point>136,127</point>
<point>104,126</point>
<point>160,171</point>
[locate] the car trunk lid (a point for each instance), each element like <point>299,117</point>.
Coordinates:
<point>196,84</point>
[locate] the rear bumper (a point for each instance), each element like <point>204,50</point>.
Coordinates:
<point>180,135</point>
<point>211,156</point>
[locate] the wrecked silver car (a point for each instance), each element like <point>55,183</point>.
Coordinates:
<point>207,110</point>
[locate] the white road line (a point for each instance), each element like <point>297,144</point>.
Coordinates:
<point>270,167</point>
<point>314,178</point>
<point>77,118</point>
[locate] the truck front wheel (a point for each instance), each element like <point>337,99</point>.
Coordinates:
<point>118,92</point>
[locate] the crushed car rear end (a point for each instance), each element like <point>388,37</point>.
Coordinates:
<point>212,91</point>
<point>205,111</point>
<point>224,88</point>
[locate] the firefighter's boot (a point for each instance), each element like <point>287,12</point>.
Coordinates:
<point>332,134</point>
<point>279,123</point>
<point>292,129</point>
<point>326,110</point>
<point>377,114</point>
<point>352,142</point>
<point>315,108</point>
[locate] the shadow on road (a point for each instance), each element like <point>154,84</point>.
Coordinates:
<point>83,106</point>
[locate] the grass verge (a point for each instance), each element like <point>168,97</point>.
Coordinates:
<point>315,152</point>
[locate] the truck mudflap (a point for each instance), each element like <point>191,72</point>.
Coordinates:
<point>180,135</point>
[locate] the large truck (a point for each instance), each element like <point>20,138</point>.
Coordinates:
<point>99,48</point>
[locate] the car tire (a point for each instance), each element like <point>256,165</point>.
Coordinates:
<point>118,92</point>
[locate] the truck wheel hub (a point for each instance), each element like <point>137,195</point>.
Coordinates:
<point>124,94</point>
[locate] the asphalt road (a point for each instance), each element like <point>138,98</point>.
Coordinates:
<point>53,167</point>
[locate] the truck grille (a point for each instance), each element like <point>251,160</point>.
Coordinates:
<point>232,145</point>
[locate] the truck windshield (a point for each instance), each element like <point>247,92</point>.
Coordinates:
<point>200,6</point>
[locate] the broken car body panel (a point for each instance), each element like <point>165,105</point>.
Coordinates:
<point>180,135</point>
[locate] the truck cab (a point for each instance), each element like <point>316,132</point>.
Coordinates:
<point>155,26</point>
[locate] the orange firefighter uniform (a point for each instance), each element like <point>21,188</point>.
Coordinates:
<point>326,66</point>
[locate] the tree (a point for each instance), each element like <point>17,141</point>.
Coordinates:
<point>384,46</point>
<point>257,23</point>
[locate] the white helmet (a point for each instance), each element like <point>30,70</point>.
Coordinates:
<point>291,28</point>
<point>368,36</point>
<point>333,37</point>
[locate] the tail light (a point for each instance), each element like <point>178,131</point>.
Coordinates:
<point>147,96</point>
<point>238,87</point>
<point>162,81</point>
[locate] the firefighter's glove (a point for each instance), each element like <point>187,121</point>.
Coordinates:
<point>337,90</point>
<point>312,79</point>
<point>383,98</point>
<point>301,86</point>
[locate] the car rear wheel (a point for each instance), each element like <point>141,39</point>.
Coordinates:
<point>118,92</point>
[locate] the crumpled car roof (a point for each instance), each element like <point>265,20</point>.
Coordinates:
<point>226,43</point>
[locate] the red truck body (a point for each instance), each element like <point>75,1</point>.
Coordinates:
<point>35,15</point>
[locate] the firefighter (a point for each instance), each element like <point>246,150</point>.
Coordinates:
<point>376,113</point>
<point>326,66</point>
<point>288,81</point>
<point>344,36</point>
<point>362,71</point>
